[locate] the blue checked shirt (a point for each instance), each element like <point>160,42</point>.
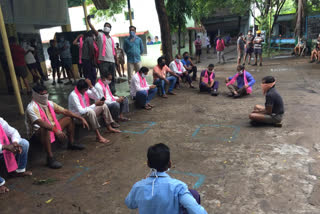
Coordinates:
<point>133,49</point>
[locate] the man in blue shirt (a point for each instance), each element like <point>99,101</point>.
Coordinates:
<point>244,81</point>
<point>133,47</point>
<point>159,193</point>
<point>66,58</point>
<point>189,66</point>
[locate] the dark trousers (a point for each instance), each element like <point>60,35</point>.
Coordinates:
<point>241,91</point>
<point>185,77</point>
<point>194,73</point>
<point>80,69</point>
<point>109,68</point>
<point>89,70</point>
<point>204,88</point>
<point>39,68</point>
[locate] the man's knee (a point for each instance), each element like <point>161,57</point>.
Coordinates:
<point>252,116</point>
<point>24,144</point>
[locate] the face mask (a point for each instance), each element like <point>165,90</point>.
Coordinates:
<point>177,60</point>
<point>62,39</point>
<point>162,64</point>
<point>41,99</point>
<point>132,33</point>
<point>210,70</point>
<point>240,72</point>
<point>186,57</point>
<point>250,34</point>
<point>107,82</point>
<point>107,29</point>
<point>143,76</point>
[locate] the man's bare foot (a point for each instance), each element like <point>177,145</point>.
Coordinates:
<point>191,86</point>
<point>146,107</point>
<point>22,174</point>
<point>171,93</point>
<point>124,119</point>
<point>4,190</point>
<point>103,140</point>
<point>164,96</point>
<point>150,105</point>
<point>112,130</point>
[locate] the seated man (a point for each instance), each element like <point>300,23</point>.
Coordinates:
<point>177,67</point>
<point>207,82</point>
<point>315,54</point>
<point>44,127</point>
<point>140,90</point>
<point>245,81</point>
<point>117,105</point>
<point>79,103</point>
<point>272,112</point>
<point>300,47</point>
<point>160,78</point>
<point>14,150</point>
<point>189,66</point>
<point>159,193</point>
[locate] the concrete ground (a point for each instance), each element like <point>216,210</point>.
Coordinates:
<point>237,168</point>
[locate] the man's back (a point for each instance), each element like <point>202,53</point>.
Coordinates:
<point>165,196</point>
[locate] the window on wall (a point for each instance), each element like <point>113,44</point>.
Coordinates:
<point>126,14</point>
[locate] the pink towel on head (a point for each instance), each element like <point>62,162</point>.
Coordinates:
<point>9,157</point>
<point>80,49</point>
<point>206,78</point>
<point>105,88</point>
<point>86,97</point>
<point>249,89</point>
<point>45,118</point>
<point>104,43</point>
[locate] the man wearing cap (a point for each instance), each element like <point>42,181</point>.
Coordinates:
<point>257,44</point>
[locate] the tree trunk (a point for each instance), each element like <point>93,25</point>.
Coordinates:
<point>179,39</point>
<point>165,30</point>
<point>300,17</point>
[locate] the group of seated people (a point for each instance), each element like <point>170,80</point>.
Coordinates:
<point>151,193</point>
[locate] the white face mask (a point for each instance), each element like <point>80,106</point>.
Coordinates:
<point>178,60</point>
<point>41,99</point>
<point>143,76</point>
<point>107,82</point>
<point>107,29</point>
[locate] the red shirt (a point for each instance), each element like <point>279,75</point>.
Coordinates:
<point>17,53</point>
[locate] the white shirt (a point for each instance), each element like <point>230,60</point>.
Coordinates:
<point>109,53</point>
<point>100,94</point>
<point>33,114</point>
<point>29,56</point>
<point>135,85</point>
<point>207,41</point>
<point>74,102</point>
<point>11,132</point>
<point>174,67</point>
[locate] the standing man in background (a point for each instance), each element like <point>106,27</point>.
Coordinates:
<point>107,52</point>
<point>198,45</point>
<point>66,58</point>
<point>249,47</point>
<point>133,47</point>
<point>220,49</point>
<point>257,44</point>
<point>53,53</point>
<point>240,48</point>
<point>120,59</point>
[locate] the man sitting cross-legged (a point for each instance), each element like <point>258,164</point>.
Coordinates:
<point>14,150</point>
<point>79,103</point>
<point>140,90</point>
<point>177,67</point>
<point>244,80</point>
<point>43,125</point>
<point>117,105</point>
<point>207,82</point>
<point>159,193</point>
<point>160,78</point>
<point>272,112</point>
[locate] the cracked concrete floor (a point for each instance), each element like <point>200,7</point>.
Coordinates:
<point>244,169</point>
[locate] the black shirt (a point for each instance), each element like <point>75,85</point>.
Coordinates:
<point>274,99</point>
<point>53,54</point>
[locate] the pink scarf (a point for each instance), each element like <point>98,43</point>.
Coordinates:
<point>249,89</point>
<point>86,97</point>
<point>178,65</point>
<point>105,88</point>
<point>80,49</point>
<point>45,118</point>
<point>96,52</point>
<point>104,45</point>
<point>205,77</point>
<point>9,157</point>
<point>143,82</point>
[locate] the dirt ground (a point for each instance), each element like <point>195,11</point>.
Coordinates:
<point>237,168</point>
